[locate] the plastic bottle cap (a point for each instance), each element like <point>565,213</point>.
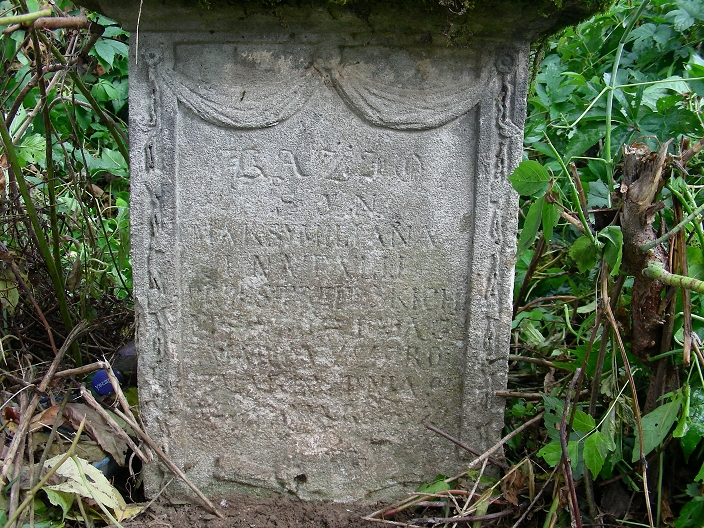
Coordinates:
<point>101,383</point>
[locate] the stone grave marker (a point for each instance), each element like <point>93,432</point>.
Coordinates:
<point>323,235</point>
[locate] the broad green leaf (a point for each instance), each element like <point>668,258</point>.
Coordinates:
<point>584,253</point>
<point>530,226</point>
<point>656,426</point>
<point>583,422</point>
<point>595,451</point>
<point>551,453</point>
<point>700,475</point>
<point>530,179</point>
<point>613,247</point>
<point>106,49</point>
<point>597,194</point>
<point>689,443</point>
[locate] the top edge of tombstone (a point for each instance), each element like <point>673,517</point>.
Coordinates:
<point>446,22</point>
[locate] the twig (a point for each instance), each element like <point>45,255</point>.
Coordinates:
<point>25,418</point>
<point>551,298</point>
<point>35,489</point>
<point>24,18</point>
<point>537,361</point>
<point>465,446</point>
<point>80,370</point>
<point>90,400</point>
<point>672,232</point>
<point>566,463</point>
<point>535,500</point>
<point>8,260</point>
<point>149,504</point>
<point>690,153</point>
<point>636,405</point>
<point>471,518</point>
<point>406,503</point>
<point>525,395</point>
<point>655,270</point>
<point>166,460</point>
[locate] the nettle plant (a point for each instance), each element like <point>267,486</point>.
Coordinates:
<point>610,254</point>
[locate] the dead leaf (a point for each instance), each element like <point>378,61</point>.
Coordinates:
<point>512,485</point>
<point>46,418</point>
<point>98,429</point>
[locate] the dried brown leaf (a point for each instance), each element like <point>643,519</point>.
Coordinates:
<point>98,429</point>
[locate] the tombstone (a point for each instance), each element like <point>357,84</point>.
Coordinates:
<point>323,235</point>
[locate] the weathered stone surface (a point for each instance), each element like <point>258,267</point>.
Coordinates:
<point>322,233</point>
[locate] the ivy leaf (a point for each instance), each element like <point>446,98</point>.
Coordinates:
<point>595,451</point>
<point>584,253</point>
<point>530,179</point>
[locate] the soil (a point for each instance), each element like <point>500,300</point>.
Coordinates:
<point>254,512</point>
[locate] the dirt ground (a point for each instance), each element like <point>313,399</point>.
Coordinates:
<point>254,512</point>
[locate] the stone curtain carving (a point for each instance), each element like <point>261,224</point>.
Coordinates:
<point>273,100</point>
<point>233,106</point>
<point>403,109</point>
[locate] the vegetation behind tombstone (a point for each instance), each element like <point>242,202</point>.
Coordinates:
<point>608,303</point>
<point>607,332</point>
<point>64,196</point>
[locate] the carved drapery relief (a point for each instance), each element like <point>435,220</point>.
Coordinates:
<point>272,100</point>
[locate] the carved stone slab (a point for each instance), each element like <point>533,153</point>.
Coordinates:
<point>323,233</point>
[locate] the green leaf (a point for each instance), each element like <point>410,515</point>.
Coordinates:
<point>551,453</point>
<point>613,247</point>
<point>584,253</point>
<point>551,215</point>
<point>595,451</point>
<point>530,226</point>
<point>437,485</point>
<point>60,498</point>
<point>583,422</point>
<point>530,179</point>
<point>106,49</point>
<point>656,426</point>
<point>691,514</point>
<point>682,426</point>
<point>689,442</point>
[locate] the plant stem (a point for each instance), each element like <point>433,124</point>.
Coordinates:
<point>575,194</point>
<point>34,220</point>
<point>24,18</point>
<point>612,86</point>
<point>35,489</point>
<point>656,271</point>
<point>672,232</point>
